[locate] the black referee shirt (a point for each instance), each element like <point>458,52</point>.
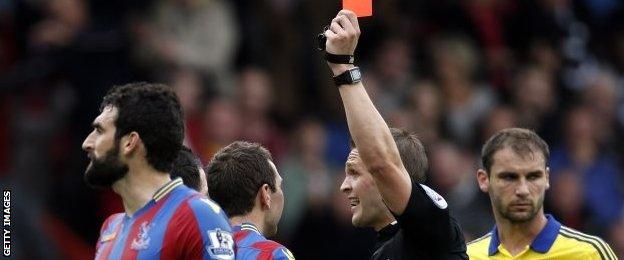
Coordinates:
<point>425,230</point>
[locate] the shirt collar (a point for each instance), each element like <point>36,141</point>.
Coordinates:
<point>247,226</point>
<point>542,242</point>
<point>165,189</point>
<point>388,231</point>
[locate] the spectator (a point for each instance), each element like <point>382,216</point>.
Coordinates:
<point>466,100</point>
<point>200,34</point>
<point>581,153</point>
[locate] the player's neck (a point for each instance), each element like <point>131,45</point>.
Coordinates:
<point>138,187</point>
<point>516,236</point>
<point>252,218</point>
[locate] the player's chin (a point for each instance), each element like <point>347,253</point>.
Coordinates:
<point>520,216</point>
<point>356,220</point>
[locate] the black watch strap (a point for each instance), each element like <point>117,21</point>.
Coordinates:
<point>349,77</point>
<point>339,59</point>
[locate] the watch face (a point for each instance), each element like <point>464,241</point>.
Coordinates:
<point>355,74</point>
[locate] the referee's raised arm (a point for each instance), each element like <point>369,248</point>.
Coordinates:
<point>368,129</point>
<point>412,221</point>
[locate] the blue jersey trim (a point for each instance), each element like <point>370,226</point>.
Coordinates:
<point>542,242</point>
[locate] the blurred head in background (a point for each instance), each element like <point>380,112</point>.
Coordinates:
<point>254,92</point>
<point>602,95</point>
<point>455,59</point>
<point>394,61</point>
<point>449,166</point>
<point>499,118</point>
<point>64,20</point>
<point>425,108</point>
<point>188,84</point>
<point>222,125</point>
<point>533,95</point>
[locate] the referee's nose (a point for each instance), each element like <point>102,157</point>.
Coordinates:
<point>346,185</point>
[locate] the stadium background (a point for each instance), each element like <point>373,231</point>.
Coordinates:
<point>452,71</point>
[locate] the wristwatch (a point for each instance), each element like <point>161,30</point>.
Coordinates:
<point>349,77</point>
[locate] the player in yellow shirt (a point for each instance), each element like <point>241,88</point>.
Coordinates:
<point>515,176</point>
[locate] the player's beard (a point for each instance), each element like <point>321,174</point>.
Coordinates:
<point>103,172</point>
<point>519,217</point>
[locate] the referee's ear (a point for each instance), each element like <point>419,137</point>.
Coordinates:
<point>483,179</point>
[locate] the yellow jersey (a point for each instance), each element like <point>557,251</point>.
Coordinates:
<point>555,241</point>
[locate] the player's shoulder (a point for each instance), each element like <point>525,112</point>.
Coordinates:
<point>112,221</point>
<point>436,198</point>
<point>571,239</point>
<point>108,230</point>
<point>423,200</point>
<point>478,248</point>
<point>204,204</point>
<point>112,218</point>
<point>205,212</point>
<point>277,250</point>
<point>283,253</point>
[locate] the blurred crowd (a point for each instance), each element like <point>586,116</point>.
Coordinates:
<point>453,71</point>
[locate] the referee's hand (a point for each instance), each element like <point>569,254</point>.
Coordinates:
<point>342,37</point>
<point>343,33</point>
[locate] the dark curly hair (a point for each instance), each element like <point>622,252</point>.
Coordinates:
<point>235,175</point>
<point>154,112</point>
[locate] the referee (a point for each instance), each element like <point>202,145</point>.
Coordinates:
<point>417,224</point>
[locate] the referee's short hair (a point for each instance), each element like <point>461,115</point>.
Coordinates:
<point>412,153</point>
<point>522,141</point>
<point>236,174</point>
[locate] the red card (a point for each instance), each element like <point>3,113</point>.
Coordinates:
<point>361,8</point>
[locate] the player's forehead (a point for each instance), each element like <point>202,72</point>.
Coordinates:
<point>106,117</point>
<point>509,160</point>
